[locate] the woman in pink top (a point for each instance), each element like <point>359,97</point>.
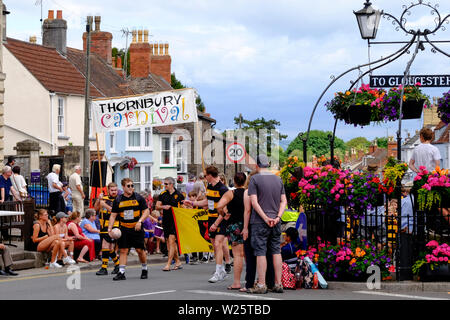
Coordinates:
<point>81,242</point>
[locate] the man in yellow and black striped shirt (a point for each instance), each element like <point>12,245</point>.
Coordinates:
<point>104,206</point>
<point>131,210</point>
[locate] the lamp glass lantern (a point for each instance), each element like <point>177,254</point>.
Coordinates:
<point>368,21</point>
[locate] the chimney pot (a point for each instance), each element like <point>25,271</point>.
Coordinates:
<point>51,14</point>
<point>151,48</point>
<point>59,14</point>
<point>161,49</point>
<point>133,33</point>
<point>145,35</point>
<point>97,23</point>
<point>139,36</point>
<point>166,49</point>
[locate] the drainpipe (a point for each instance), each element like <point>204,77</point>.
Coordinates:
<point>52,140</point>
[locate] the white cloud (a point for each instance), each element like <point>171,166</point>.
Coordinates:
<point>252,56</point>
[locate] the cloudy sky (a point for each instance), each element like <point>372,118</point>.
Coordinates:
<point>270,58</point>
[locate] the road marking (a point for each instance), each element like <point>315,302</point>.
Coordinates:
<point>220,293</point>
<point>398,295</point>
<point>139,295</point>
<point>63,272</point>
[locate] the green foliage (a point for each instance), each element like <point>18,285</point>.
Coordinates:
<point>359,143</point>
<point>177,84</point>
<point>382,142</point>
<point>121,53</point>
<point>318,144</point>
<point>259,124</point>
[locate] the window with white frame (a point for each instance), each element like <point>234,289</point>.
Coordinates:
<point>142,177</point>
<point>112,142</point>
<point>139,139</point>
<point>61,118</point>
<point>135,175</point>
<point>166,151</point>
<point>181,152</point>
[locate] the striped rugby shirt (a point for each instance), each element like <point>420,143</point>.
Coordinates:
<point>129,210</point>
<point>214,194</point>
<point>105,215</point>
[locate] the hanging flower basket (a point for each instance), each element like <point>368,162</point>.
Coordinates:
<point>443,108</point>
<point>359,115</point>
<point>358,107</point>
<point>413,101</point>
<point>412,109</point>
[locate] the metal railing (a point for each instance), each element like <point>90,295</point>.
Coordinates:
<point>383,228</point>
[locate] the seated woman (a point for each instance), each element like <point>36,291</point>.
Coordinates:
<point>82,243</point>
<point>289,248</point>
<point>89,228</point>
<point>60,226</point>
<point>46,240</point>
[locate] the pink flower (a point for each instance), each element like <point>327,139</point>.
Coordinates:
<point>418,84</point>
<point>433,244</point>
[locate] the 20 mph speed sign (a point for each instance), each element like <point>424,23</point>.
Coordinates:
<point>235,152</point>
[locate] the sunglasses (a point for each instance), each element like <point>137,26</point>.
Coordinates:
<point>130,185</point>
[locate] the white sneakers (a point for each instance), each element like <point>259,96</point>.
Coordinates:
<point>68,260</point>
<point>218,276</point>
<point>55,265</point>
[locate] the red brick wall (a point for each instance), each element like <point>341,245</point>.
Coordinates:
<point>392,149</point>
<point>161,66</point>
<point>139,60</point>
<point>101,44</point>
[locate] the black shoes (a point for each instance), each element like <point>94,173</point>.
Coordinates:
<point>116,270</point>
<point>228,268</point>
<point>120,276</point>
<point>144,274</point>
<point>102,272</point>
<point>8,272</point>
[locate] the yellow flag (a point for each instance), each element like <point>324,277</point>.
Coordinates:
<point>192,230</point>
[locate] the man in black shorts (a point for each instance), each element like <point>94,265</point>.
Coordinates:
<point>104,206</point>
<point>131,210</point>
<point>169,198</point>
<point>217,225</point>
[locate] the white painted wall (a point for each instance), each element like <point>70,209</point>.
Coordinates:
<point>30,112</point>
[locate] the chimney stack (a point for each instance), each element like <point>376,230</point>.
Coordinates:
<point>140,52</point>
<point>160,61</point>
<point>392,147</point>
<point>101,42</point>
<point>148,57</point>
<point>54,32</point>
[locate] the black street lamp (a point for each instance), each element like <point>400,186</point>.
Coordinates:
<point>368,20</point>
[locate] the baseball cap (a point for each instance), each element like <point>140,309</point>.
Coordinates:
<point>61,214</point>
<point>262,161</point>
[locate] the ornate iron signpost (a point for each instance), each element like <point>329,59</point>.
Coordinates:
<point>368,21</point>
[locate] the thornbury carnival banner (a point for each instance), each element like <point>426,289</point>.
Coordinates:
<point>192,230</point>
<point>147,110</point>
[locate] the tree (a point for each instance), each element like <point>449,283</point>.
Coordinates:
<point>259,124</point>
<point>121,53</point>
<point>176,84</point>
<point>359,143</point>
<point>263,143</point>
<point>318,144</point>
<point>382,142</point>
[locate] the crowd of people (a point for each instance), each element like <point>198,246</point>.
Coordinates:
<point>246,216</point>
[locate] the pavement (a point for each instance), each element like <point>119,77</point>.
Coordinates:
<point>155,259</point>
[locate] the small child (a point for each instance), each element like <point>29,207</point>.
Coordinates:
<point>67,195</point>
<point>159,237</point>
